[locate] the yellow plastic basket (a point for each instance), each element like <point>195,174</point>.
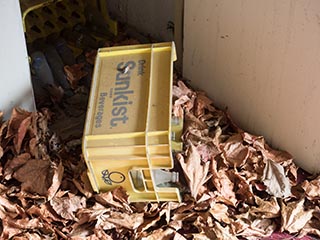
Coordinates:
<point>128,130</point>
<point>43,17</point>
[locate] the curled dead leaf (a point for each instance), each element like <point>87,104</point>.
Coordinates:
<point>223,233</point>
<point>181,90</point>
<point>67,206</point>
<point>35,176</point>
<point>220,212</point>
<point>234,151</point>
<point>275,180</point>
<point>74,74</point>
<point>266,208</point>
<point>258,228</point>
<point>56,180</point>
<point>223,184</point>
<point>294,217</point>
<point>15,163</point>
<point>160,234</point>
<point>130,221</point>
<point>202,102</point>
<point>194,170</point>
<point>312,188</point>
<point>17,116</point>
<point>91,56</point>
<point>22,130</point>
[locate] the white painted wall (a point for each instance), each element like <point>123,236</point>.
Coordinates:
<point>15,82</point>
<point>262,60</point>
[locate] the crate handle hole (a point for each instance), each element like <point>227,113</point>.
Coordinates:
<point>47,10</point>
<point>62,19</point>
<point>33,15</point>
<point>75,15</point>
<point>61,6</point>
<point>35,29</point>
<point>75,2</point>
<point>49,24</point>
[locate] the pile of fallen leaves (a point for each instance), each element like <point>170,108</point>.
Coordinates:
<point>233,185</point>
<point>236,186</point>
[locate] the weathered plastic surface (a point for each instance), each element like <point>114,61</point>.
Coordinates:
<point>44,17</point>
<point>128,130</point>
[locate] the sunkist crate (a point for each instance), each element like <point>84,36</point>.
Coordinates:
<point>129,131</point>
<point>44,17</point>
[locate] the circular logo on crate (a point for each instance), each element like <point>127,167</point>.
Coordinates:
<point>112,177</point>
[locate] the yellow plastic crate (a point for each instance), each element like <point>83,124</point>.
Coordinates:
<point>128,131</point>
<point>43,17</point>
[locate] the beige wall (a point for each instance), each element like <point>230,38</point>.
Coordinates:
<point>147,16</point>
<point>261,58</point>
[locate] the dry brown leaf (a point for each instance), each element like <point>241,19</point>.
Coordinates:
<point>22,130</point>
<point>33,147</point>
<point>82,232</point>
<point>96,212</point>
<point>223,184</point>
<point>56,93</point>
<point>68,205</point>
<point>91,56</point>
<point>12,227</point>
<point>234,151</point>
<point>207,151</point>
<point>8,208</point>
<point>220,212</point>
<point>177,108</point>
<point>56,180</point>
<point>14,164</point>
<point>294,217</point>
<point>259,143</point>
<point>275,180</point>
<point>202,102</point>
<point>312,188</point>
<point>160,234</point>
<point>35,176</point>
<point>115,198</point>
<point>27,236</point>
<point>223,233</point>
<point>45,213</point>
<point>178,236</point>
<point>83,185</point>
<point>266,208</point>
<point>195,172</point>
<point>148,223</point>
<point>100,234</point>
<point>17,116</point>
<point>176,225</point>
<point>130,221</point>
<point>259,228</point>
<point>202,236</point>
<point>120,194</point>
<point>1,152</point>
<point>192,122</point>
<point>74,74</point>
<point>181,90</point>
<point>240,224</point>
<point>312,227</point>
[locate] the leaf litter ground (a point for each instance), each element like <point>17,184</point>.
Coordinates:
<point>233,184</point>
